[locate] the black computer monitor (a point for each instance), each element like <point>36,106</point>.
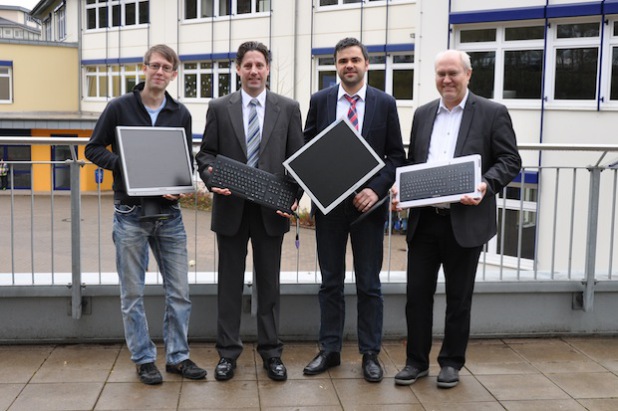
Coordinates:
<point>334,164</point>
<point>155,160</point>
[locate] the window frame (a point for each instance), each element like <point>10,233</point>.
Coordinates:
<point>109,5</point>
<point>500,46</point>
<point>214,71</point>
<point>389,67</point>
<point>216,13</point>
<point>492,252</point>
<point>9,75</point>
<point>111,74</point>
<point>61,25</point>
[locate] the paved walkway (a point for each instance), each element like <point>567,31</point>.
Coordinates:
<point>518,374</point>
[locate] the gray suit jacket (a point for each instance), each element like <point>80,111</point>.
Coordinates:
<point>485,129</point>
<point>224,134</point>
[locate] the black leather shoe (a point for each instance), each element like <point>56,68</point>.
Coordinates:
<point>448,377</point>
<point>409,375</point>
<point>149,373</point>
<point>188,369</point>
<point>372,370</point>
<point>276,369</point>
<point>225,369</point>
<point>322,362</point>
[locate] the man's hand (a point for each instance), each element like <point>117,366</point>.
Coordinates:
<point>395,201</point>
<point>467,200</point>
<point>217,190</point>
<point>364,200</point>
<point>286,215</point>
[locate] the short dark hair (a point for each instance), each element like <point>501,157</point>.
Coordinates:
<point>166,51</point>
<point>251,46</point>
<point>350,42</point>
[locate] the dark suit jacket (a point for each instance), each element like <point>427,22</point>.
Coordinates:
<point>224,134</point>
<point>381,129</point>
<point>486,129</point>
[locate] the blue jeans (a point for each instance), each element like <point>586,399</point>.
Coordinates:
<point>367,237</point>
<point>168,241</point>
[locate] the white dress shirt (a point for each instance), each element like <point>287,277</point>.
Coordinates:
<point>343,105</point>
<point>445,131</point>
<point>259,108</point>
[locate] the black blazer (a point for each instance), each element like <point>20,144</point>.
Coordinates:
<point>381,129</point>
<point>485,129</point>
<point>225,134</point>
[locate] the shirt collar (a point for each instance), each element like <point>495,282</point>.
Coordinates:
<point>362,93</point>
<point>462,103</point>
<point>246,98</point>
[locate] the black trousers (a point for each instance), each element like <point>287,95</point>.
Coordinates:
<point>267,263</point>
<point>433,245</point>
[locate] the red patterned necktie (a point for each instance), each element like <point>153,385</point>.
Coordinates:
<point>352,115</point>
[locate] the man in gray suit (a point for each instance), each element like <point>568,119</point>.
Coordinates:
<point>452,235</point>
<point>230,131</point>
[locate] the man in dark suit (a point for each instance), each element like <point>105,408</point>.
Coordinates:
<point>375,114</point>
<point>452,235</point>
<point>229,131</point>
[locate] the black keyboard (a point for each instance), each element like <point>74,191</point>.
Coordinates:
<point>254,184</point>
<point>438,181</point>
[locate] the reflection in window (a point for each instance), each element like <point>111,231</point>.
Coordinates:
<point>523,71</point>
<point>576,74</point>
<point>5,84</point>
<point>524,33</point>
<point>477,36</point>
<point>377,79</point>
<point>569,31</point>
<point>484,72</point>
<point>207,79</point>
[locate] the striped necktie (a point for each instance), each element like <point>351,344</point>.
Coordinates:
<point>352,114</point>
<point>253,135</point>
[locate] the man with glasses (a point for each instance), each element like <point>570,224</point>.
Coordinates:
<point>149,105</point>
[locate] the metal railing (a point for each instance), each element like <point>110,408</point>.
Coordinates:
<point>567,211</point>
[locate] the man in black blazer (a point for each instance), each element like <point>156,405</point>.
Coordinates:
<point>375,113</point>
<point>227,132</point>
<point>452,235</point>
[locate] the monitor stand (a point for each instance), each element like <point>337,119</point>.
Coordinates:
<point>151,209</point>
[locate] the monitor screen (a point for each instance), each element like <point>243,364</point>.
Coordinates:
<point>334,164</point>
<point>155,160</point>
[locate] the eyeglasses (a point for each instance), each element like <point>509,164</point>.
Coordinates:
<point>156,66</point>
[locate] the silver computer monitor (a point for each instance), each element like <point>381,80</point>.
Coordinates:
<point>155,160</point>
<point>334,164</point>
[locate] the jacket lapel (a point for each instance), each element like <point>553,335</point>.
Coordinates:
<point>331,104</point>
<point>466,121</point>
<point>235,112</point>
<point>370,104</point>
<point>424,135</point>
<point>271,113</point>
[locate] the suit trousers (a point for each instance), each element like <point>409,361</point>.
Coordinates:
<point>433,245</point>
<point>367,238</point>
<point>232,263</point>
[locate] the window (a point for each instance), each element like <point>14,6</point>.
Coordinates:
<point>116,13</point>
<point>392,73</point>
<point>47,29</point>
<point>337,2</point>
<point>208,79</point>
<point>508,59</point>
<point>576,55</point>
<point>6,84</point>
<point>112,81</point>
<point>197,9</point>
<point>61,30</point>
<point>517,215</point>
